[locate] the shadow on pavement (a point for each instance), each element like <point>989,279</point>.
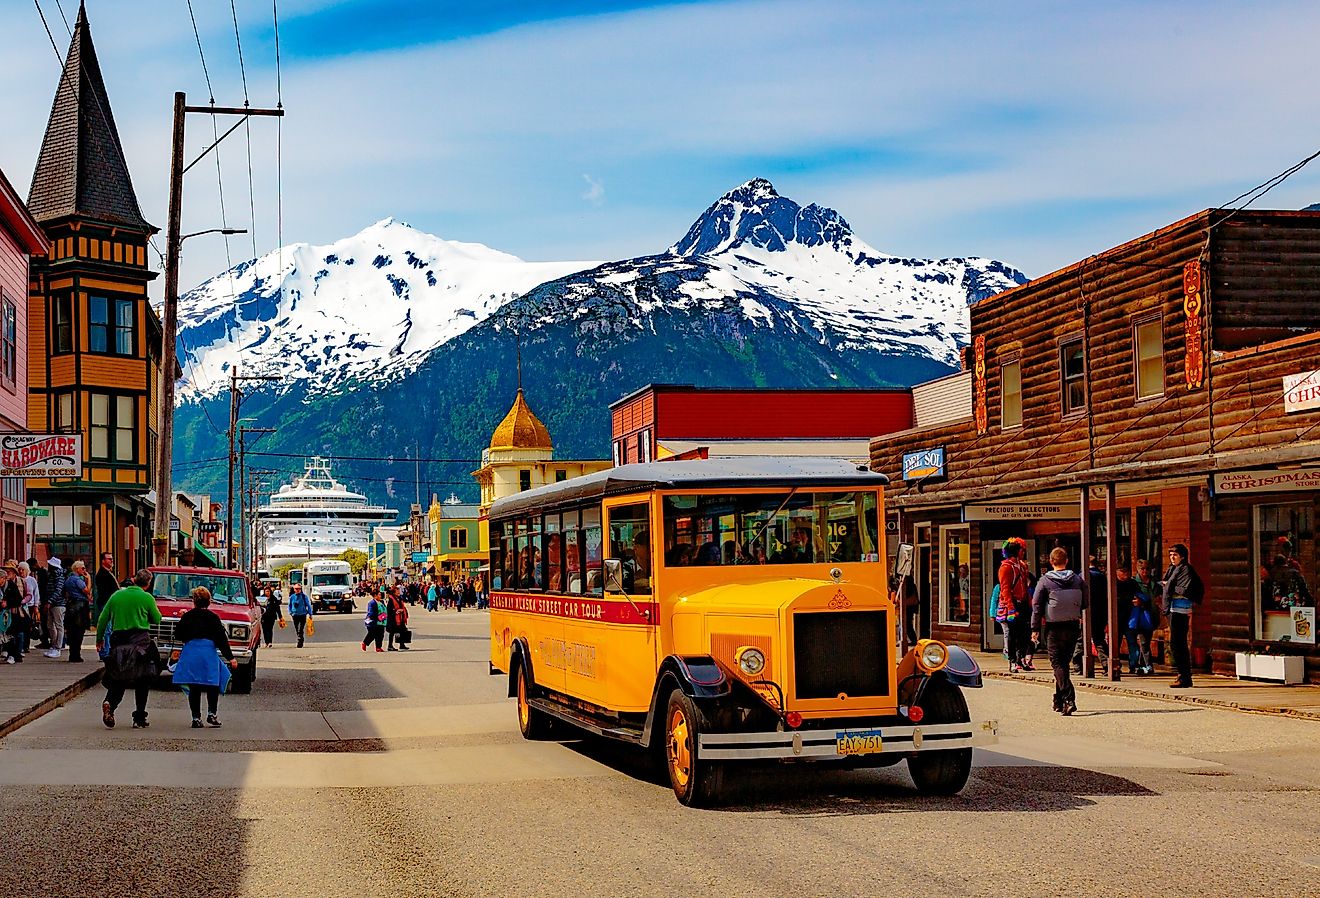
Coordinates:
<point>1160,711</point>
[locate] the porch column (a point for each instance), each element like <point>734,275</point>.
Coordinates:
<point>1088,663</point>
<point>1111,577</point>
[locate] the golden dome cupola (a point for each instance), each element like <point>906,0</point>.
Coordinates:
<point>521,429</point>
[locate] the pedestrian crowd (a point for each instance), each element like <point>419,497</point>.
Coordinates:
<point>48,608</point>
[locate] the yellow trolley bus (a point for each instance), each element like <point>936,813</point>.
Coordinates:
<point>720,611</point>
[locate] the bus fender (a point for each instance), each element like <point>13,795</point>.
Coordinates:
<point>519,654</point>
<point>697,675</point>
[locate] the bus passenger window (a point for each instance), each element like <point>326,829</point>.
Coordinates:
<point>591,538</point>
<point>630,542</point>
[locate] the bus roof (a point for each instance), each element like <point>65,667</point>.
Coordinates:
<point>781,471</point>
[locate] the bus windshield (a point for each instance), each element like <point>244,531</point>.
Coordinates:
<point>770,528</point>
<point>329,579</point>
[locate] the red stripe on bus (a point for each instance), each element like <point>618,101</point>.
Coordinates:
<point>588,608</point>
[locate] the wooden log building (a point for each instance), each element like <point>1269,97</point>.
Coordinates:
<point>94,340</point>
<point>1165,391</point>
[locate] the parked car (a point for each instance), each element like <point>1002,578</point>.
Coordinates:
<point>232,598</point>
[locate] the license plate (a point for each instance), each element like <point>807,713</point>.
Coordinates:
<point>858,742</point>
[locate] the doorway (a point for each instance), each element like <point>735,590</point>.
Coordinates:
<point>992,637</point>
<point>925,575</point>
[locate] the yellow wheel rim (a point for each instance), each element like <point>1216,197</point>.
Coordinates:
<point>524,709</point>
<point>679,747</point>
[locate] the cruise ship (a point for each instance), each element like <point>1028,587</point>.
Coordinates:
<point>316,516</point>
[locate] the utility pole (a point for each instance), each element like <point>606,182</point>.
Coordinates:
<point>160,537</point>
<point>244,501</point>
<point>235,399</point>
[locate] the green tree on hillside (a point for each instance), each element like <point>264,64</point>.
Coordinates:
<point>357,561</point>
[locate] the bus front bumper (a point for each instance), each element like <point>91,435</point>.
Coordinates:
<point>840,745</point>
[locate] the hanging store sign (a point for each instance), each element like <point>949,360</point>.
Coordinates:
<point>1301,392</point>
<point>41,455</point>
<point>1271,481</point>
<point>1193,311</point>
<point>1024,511</point>
<point>978,385</point>
<point>924,464</point>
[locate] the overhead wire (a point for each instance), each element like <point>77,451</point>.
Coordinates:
<point>247,131</point>
<point>279,152</point>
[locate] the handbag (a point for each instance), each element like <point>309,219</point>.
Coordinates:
<point>283,623</point>
<point>311,627</point>
<point>405,636</point>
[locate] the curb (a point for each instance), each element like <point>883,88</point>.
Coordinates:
<point>45,706</point>
<point>1299,713</point>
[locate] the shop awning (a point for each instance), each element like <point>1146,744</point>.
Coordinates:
<point>203,555</point>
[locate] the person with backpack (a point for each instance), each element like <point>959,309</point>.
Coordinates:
<point>1012,605</point>
<point>1056,611</point>
<point>1183,591</point>
<point>378,614</point>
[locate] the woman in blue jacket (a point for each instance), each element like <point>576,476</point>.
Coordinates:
<point>199,669</point>
<point>378,614</point>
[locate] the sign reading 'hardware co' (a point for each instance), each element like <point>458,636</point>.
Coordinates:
<point>41,455</point>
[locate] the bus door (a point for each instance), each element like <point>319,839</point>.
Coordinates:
<point>625,635</point>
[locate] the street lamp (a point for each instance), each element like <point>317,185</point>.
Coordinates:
<point>228,232</point>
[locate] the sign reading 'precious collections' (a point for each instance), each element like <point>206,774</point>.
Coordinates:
<point>1301,392</point>
<point>1039,511</point>
<point>41,455</point>
<point>1271,481</point>
<point>924,464</point>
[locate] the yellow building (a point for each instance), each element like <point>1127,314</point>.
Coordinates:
<point>521,457</point>
<point>94,343</point>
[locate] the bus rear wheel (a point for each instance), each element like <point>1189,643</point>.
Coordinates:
<point>942,772</point>
<point>697,782</point>
<point>534,724</point>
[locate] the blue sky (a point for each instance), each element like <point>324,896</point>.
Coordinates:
<point>1033,132</point>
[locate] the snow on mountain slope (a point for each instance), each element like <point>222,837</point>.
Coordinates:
<point>799,267</point>
<point>369,306</point>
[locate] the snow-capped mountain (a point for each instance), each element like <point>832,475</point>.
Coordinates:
<point>368,306</point>
<point>796,267</point>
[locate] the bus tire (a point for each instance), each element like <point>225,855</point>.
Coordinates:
<point>532,723</point>
<point>942,772</point>
<point>697,783</point>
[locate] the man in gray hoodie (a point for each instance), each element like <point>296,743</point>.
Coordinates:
<point>1056,610</point>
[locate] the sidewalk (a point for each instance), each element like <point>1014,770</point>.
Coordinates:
<point>40,685</point>
<point>1214,691</point>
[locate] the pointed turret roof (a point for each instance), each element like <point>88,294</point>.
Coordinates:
<point>81,170</point>
<point>521,429</point>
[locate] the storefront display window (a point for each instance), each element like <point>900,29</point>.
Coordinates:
<point>1284,543</point>
<point>1100,538</point>
<point>1150,539</point>
<point>955,575</point>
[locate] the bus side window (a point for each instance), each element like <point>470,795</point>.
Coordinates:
<point>591,538</point>
<point>630,542</point>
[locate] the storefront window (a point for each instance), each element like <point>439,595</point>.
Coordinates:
<point>1284,542</point>
<point>955,575</point>
<point>1100,538</point>
<point>1150,539</point>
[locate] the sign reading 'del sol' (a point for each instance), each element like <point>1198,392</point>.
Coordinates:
<point>1272,481</point>
<point>41,455</point>
<point>1039,511</point>
<point>1301,392</point>
<point>924,464</point>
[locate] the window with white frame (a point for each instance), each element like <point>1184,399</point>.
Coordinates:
<point>1148,351</point>
<point>1283,540</point>
<point>1011,389</point>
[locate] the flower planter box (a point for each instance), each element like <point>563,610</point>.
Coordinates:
<point>1286,669</point>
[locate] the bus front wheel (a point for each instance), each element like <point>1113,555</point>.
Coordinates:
<point>697,782</point>
<point>533,724</point>
<point>942,772</point>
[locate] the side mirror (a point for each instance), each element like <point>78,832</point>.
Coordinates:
<point>613,575</point>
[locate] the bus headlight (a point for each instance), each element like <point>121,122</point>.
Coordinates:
<point>931,655</point>
<point>751,660</point>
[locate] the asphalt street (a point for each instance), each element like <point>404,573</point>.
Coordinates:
<point>403,774</point>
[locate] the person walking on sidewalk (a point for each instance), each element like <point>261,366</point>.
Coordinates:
<point>1183,590</point>
<point>1014,613</point>
<point>54,608</point>
<point>378,613</point>
<point>1056,611</point>
<point>199,669</point>
<point>19,622</point>
<point>300,608</point>
<point>77,609</point>
<point>106,584</point>
<point>133,658</point>
<point>271,613</point>
<point>397,624</point>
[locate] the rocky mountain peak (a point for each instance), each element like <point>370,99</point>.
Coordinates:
<point>755,214</point>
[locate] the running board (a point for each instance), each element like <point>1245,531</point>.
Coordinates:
<point>559,712</point>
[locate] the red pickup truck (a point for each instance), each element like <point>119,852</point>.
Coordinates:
<point>231,598</point>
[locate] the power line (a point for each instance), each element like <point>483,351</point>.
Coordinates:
<point>376,458</point>
<point>1263,188</point>
<point>198,36</point>
<point>60,7</point>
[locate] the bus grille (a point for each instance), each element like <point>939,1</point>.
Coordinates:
<point>841,652</point>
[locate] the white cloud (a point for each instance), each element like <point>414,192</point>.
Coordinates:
<point>595,192</point>
<point>1040,107</point>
